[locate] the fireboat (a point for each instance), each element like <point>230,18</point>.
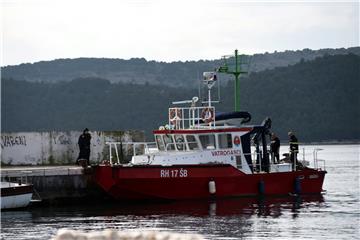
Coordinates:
<point>200,154</point>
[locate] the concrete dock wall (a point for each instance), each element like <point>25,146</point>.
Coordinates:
<point>58,148</point>
<point>56,184</point>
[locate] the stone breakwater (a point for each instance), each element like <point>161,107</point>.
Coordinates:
<point>65,234</point>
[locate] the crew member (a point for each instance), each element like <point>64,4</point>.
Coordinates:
<point>84,146</point>
<point>294,148</point>
<point>274,148</point>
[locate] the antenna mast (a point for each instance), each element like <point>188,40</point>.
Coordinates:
<point>236,72</point>
<point>209,79</point>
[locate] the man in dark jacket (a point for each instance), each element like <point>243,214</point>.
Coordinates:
<point>294,148</point>
<point>84,145</point>
<point>275,147</point>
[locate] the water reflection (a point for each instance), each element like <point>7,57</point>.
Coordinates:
<point>232,217</point>
<point>265,206</point>
<point>336,215</point>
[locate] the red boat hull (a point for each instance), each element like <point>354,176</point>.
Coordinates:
<point>192,181</point>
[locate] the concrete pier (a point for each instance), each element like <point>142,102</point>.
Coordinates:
<point>58,148</point>
<point>56,183</point>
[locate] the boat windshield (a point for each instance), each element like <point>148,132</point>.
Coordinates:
<point>207,141</point>
<point>159,142</point>
<point>225,141</point>
<point>180,142</point>
<point>192,144</point>
<point>169,142</point>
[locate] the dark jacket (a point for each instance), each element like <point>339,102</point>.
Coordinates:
<point>275,145</point>
<point>294,144</point>
<point>84,141</point>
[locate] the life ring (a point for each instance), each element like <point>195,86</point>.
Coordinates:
<point>174,115</point>
<point>207,115</point>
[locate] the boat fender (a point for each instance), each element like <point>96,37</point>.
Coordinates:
<point>212,187</point>
<point>261,187</point>
<point>297,185</point>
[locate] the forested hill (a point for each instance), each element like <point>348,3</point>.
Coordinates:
<point>140,71</point>
<point>318,99</point>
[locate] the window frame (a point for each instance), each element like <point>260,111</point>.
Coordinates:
<point>229,139</point>
<point>196,141</point>
<point>183,144</point>
<point>214,138</point>
<point>171,144</point>
<point>158,137</point>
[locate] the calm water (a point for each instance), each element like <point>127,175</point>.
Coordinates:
<point>334,215</point>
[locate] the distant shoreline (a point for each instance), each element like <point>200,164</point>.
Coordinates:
<point>327,143</point>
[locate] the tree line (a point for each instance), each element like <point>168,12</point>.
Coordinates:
<point>141,71</point>
<point>317,99</point>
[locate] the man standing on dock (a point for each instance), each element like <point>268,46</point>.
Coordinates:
<point>84,146</point>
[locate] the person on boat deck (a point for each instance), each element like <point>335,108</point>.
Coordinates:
<point>294,148</point>
<point>274,148</point>
<point>84,146</point>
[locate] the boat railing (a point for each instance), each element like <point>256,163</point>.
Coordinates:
<point>319,164</point>
<point>256,167</point>
<point>259,167</point>
<point>135,148</point>
<point>191,117</point>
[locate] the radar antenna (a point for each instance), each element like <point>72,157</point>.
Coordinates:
<point>209,79</point>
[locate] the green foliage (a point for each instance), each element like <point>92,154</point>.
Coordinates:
<point>318,99</point>
<point>140,71</point>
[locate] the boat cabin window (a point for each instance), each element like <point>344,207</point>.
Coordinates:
<point>225,141</point>
<point>169,143</point>
<point>191,141</point>
<point>207,141</point>
<point>180,142</point>
<point>159,142</point>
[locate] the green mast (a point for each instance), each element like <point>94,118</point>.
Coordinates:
<point>236,72</point>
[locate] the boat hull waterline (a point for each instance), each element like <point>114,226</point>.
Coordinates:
<point>202,181</point>
<point>14,195</point>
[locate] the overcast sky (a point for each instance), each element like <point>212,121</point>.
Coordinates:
<point>170,30</point>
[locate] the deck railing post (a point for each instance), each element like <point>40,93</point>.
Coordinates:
<point>110,153</point>
<point>117,153</point>
<point>304,154</point>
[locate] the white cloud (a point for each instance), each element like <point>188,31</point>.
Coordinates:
<point>35,30</point>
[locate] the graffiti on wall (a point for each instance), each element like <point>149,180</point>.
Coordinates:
<point>10,141</point>
<point>63,140</point>
<point>36,148</point>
